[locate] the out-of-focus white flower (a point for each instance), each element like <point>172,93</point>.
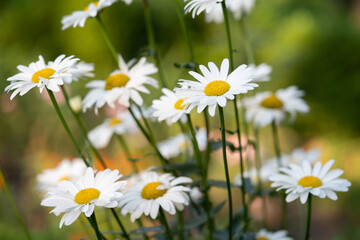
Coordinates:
<point>196,195</point>
<point>260,73</point>
<point>278,235</point>
<point>76,103</point>
<point>78,71</point>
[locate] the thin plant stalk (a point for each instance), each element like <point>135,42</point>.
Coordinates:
<point>125,147</point>
<point>166,225</point>
<point>181,225</point>
<point>208,143</point>
<point>93,222</point>
<point>107,39</point>
<point>223,140</point>
<point>152,43</point>
<point>14,207</point>
<point>126,235</point>
<point>204,175</point>
<point>67,129</point>
<point>308,219</point>
<point>228,34</point>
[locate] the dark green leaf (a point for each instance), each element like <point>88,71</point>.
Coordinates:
<point>219,183</point>
<point>188,65</point>
<point>133,159</point>
<point>232,132</point>
<point>184,167</point>
<point>142,230</point>
<point>215,145</point>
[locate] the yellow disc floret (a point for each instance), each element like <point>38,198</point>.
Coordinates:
<point>43,73</point>
<point>65,177</point>
<point>179,104</point>
<point>86,195</point>
<point>310,181</point>
<point>150,191</point>
<point>87,8</point>
<point>272,102</point>
<point>216,88</point>
<point>114,121</point>
<point>116,80</point>
<point>262,238</point>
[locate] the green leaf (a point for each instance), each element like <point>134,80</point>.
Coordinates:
<point>143,230</point>
<point>183,167</point>
<point>134,159</point>
<point>188,65</point>
<point>215,145</point>
<point>219,183</point>
<point>231,132</point>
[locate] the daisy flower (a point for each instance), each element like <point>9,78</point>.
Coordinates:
<point>73,198</point>
<point>152,191</point>
<point>266,235</point>
<point>78,18</point>
<point>198,6</point>
<point>169,107</point>
<point>41,75</point>
<point>123,123</point>
<point>66,170</point>
<point>76,103</point>
<point>122,86</point>
<point>266,107</point>
<point>78,71</point>
<point>302,180</point>
<point>261,73</point>
<point>215,86</point>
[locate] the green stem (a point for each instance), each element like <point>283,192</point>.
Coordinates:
<point>107,39</point>
<point>67,129</point>
<point>81,124</point>
<point>151,39</point>
<point>181,225</point>
<point>276,143</point>
<point>125,147</point>
<point>228,34</point>
<point>308,220</point>
<point>92,220</point>
<point>126,235</point>
<point>223,139</point>
<point>166,225</point>
<point>13,205</point>
<point>208,144</point>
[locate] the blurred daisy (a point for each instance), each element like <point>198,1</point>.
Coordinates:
<point>78,71</point>
<point>122,86</point>
<point>73,198</point>
<point>266,107</point>
<point>41,75</point>
<point>78,18</point>
<point>123,123</point>
<point>260,73</point>
<point>266,235</point>
<point>198,6</point>
<point>196,195</point>
<point>66,170</point>
<point>76,103</point>
<point>300,181</point>
<point>153,191</point>
<point>215,86</point>
<point>169,107</point>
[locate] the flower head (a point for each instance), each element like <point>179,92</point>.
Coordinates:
<point>302,180</point>
<point>154,191</point>
<point>266,235</point>
<point>122,85</point>
<point>266,107</point>
<point>78,18</point>
<point>261,73</point>
<point>198,6</point>
<point>215,86</point>
<point>73,198</point>
<point>41,75</point>
<point>78,71</point>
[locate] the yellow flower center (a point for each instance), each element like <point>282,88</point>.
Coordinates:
<point>150,191</point>
<point>216,88</point>
<point>310,181</point>
<point>272,102</point>
<point>43,73</point>
<point>116,80</point>
<point>114,121</point>
<point>262,238</point>
<point>66,177</point>
<point>87,8</point>
<point>86,195</point>
<point>179,104</point>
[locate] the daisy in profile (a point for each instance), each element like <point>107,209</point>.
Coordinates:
<point>122,123</point>
<point>154,191</point>
<point>78,71</point>
<point>121,86</point>
<point>66,170</point>
<point>73,198</point>
<point>302,180</point>
<point>169,107</point>
<point>78,18</point>
<point>215,86</point>
<point>199,6</point>
<point>266,235</point>
<point>261,72</point>
<point>266,107</point>
<point>41,75</point>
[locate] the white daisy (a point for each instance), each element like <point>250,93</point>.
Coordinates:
<point>76,103</point>
<point>123,123</point>
<point>261,73</point>
<point>300,181</point>
<point>169,107</point>
<point>153,191</point>
<point>66,170</point>
<point>39,74</point>
<point>73,198</point>
<point>78,18</point>
<point>122,86</point>
<point>215,87</point>
<point>266,107</point>
<point>278,235</point>
<point>196,195</point>
<point>198,6</point>
<point>78,71</point>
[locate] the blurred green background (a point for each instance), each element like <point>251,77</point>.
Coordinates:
<point>312,44</point>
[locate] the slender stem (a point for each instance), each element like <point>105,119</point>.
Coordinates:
<point>81,124</point>
<point>228,34</point>
<point>308,220</point>
<point>151,39</point>
<point>223,139</point>
<point>13,206</point>
<point>126,235</point>
<point>276,143</point>
<point>107,39</point>
<point>181,225</point>
<point>125,147</point>
<point>92,220</point>
<point>146,122</point>
<point>67,129</point>
<point>208,143</point>
<point>166,225</point>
